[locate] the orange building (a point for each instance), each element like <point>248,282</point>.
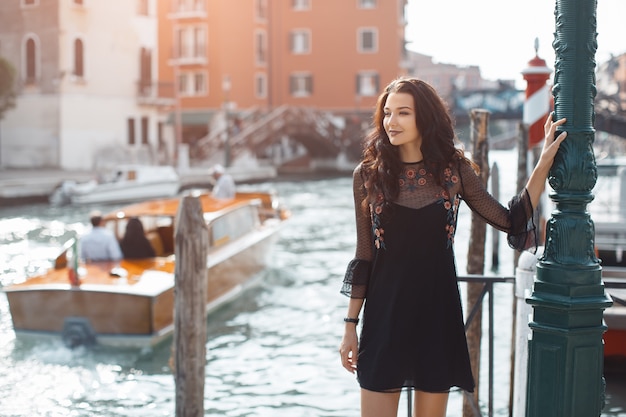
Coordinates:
<point>332,55</point>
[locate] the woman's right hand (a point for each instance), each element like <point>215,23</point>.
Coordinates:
<point>349,348</point>
<point>537,179</point>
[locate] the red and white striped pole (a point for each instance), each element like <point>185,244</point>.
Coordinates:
<point>538,101</point>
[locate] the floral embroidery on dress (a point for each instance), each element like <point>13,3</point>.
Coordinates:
<point>411,178</point>
<point>375,210</point>
<point>451,205</point>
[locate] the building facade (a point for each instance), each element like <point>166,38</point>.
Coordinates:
<point>83,69</point>
<point>104,80</point>
<point>261,54</point>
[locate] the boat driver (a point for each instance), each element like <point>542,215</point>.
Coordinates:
<point>224,186</point>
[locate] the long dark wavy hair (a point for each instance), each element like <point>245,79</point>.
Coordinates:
<point>381,164</point>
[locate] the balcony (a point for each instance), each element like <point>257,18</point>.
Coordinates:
<point>188,60</point>
<point>187,10</point>
<point>151,93</point>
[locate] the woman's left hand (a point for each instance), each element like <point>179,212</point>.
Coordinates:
<point>552,142</point>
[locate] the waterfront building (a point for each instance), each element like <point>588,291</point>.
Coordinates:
<point>81,70</point>
<point>230,58</point>
<point>142,76</point>
<point>141,80</point>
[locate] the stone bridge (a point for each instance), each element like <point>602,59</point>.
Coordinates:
<point>326,135</point>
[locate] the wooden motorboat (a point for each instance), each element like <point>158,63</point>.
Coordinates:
<point>123,184</point>
<point>131,302</point>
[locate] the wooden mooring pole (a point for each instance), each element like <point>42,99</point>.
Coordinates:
<point>479,122</point>
<point>192,242</point>
<point>495,233</point>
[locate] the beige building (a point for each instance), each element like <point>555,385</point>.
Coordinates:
<point>79,64</point>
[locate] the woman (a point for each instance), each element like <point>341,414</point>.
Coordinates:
<point>134,244</point>
<point>407,190</point>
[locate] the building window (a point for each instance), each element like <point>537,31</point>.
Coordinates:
<point>301,85</point>
<point>198,5</point>
<point>261,47</point>
<point>31,61</point>
<point>192,83</point>
<point>199,83</point>
<point>145,71</point>
<point>79,58</point>
<point>189,5</point>
<point>199,42</point>
<point>300,4</point>
<point>160,136</point>
<point>300,41</point>
<point>367,84</point>
<point>144,130</point>
<point>130,124</point>
<point>29,3</point>
<point>261,10</point>
<point>260,85</point>
<point>366,4</point>
<point>368,40</point>
<point>143,8</point>
<point>182,84</point>
<point>190,42</point>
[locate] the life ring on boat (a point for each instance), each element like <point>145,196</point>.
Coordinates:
<point>77,332</point>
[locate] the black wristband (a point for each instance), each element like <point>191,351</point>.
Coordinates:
<point>351,320</point>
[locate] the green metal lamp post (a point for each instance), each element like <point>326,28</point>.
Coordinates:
<point>565,363</point>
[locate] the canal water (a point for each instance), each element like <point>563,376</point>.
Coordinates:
<point>272,352</point>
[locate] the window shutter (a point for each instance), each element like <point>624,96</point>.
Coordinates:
<point>309,84</point>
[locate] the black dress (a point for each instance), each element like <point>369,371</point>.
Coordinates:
<point>413,332</point>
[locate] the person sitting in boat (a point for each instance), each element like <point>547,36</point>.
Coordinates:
<point>99,244</point>
<point>224,186</point>
<point>135,244</point>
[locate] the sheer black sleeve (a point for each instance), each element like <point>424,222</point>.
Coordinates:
<point>523,233</point>
<point>357,275</point>
<point>516,220</point>
<point>356,279</point>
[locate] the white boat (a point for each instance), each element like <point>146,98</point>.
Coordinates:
<point>123,184</point>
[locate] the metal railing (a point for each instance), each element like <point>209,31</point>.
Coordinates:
<point>612,278</point>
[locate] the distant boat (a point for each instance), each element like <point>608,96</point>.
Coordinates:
<point>131,303</point>
<point>124,183</point>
